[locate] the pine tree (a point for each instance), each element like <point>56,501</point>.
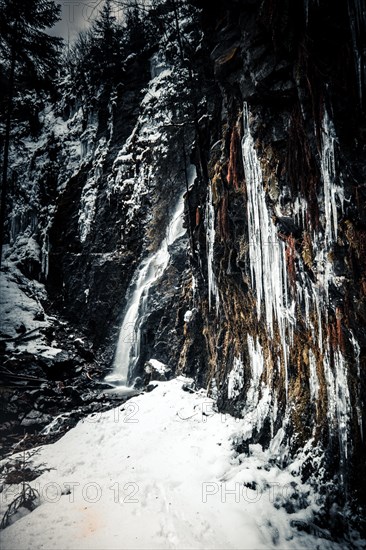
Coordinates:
<point>29,56</point>
<point>136,26</point>
<point>105,25</point>
<point>106,43</point>
<point>24,40</point>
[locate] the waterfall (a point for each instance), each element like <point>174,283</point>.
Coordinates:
<point>147,275</point>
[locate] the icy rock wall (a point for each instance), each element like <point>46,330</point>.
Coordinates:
<point>116,211</point>
<point>284,265</point>
<point>97,188</point>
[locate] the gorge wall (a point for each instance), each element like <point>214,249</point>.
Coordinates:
<point>284,320</point>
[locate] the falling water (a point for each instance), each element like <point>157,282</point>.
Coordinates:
<point>148,273</point>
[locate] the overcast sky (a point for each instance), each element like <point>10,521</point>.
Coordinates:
<point>76,15</point>
<point>79,14</point>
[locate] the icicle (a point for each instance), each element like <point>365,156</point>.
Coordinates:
<point>194,288</point>
<point>342,400</point>
<point>299,209</point>
<point>357,351</point>
<point>274,414</point>
<point>210,241</point>
<point>306,7</point>
<point>318,306</point>
<point>267,253</point>
<point>45,255</point>
<point>331,190</point>
<point>112,103</point>
<point>357,21</point>
<point>256,359</point>
<point>235,379</point>
<point>329,378</point>
<point>338,397</point>
<point>90,192</point>
<point>256,410</point>
<point>253,179</point>
<point>313,378</point>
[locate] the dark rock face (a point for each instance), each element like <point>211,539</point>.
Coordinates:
<point>279,109</point>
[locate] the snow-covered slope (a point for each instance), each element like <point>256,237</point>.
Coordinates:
<point>160,472</point>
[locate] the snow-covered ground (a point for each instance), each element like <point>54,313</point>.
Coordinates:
<point>22,312</point>
<point>159,472</point>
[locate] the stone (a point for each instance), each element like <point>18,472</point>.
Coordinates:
<point>151,387</point>
<point>157,370</point>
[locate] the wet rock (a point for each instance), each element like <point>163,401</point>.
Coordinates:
<point>39,316</point>
<point>188,387</point>
<point>58,367</point>
<point>138,383</point>
<point>84,349</point>
<point>21,329</point>
<point>227,60</point>
<point>242,447</point>
<point>35,418</point>
<point>157,370</point>
<point>151,387</point>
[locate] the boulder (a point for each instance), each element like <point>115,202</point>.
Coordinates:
<point>157,370</point>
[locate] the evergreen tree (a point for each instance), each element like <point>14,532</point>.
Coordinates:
<point>25,42</point>
<point>105,48</point>
<point>105,25</point>
<point>29,59</point>
<point>137,26</point>
<point>97,56</point>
